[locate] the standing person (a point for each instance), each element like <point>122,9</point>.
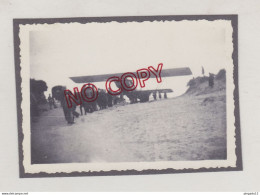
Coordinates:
<point>68,112</point>
<point>109,100</point>
<point>211,80</point>
<point>165,95</point>
<point>154,95</point>
<point>202,70</point>
<point>51,101</point>
<point>58,94</point>
<point>160,96</point>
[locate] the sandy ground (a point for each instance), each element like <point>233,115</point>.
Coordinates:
<point>185,128</point>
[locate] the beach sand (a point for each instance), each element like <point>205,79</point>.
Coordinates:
<point>189,127</point>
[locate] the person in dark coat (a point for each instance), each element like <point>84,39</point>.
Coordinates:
<point>211,80</point>
<point>109,100</point>
<point>68,112</point>
<point>165,95</point>
<point>102,99</point>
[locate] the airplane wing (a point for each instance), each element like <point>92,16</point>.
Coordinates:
<point>156,90</point>
<point>102,78</point>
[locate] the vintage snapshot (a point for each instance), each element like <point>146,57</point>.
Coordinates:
<point>127,95</point>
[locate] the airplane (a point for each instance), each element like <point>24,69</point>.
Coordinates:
<point>142,95</point>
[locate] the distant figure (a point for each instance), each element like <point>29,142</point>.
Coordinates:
<point>165,95</point>
<point>203,72</point>
<point>160,96</point>
<point>51,102</point>
<point>211,80</point>
<point>154,95</point>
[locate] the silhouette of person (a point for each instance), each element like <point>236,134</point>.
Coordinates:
<point>154,95</point>
<point>211,79</point>
<point>165,95</point>
<point>51,101</point>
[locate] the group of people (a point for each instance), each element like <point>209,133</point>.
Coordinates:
<point>159,94</point>
<point>103,101</point>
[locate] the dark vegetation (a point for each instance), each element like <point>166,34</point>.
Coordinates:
<point>37,97</point>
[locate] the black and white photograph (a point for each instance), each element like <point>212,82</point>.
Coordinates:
<point>127,95</point>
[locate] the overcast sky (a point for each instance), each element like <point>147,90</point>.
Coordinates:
<point>64,50</point>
